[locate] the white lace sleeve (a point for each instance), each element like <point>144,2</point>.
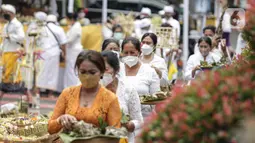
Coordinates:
<point>190,65</point>
<point>134,107</point>
<point>154,82</point>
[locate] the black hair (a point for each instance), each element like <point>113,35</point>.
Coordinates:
<point>152,36</point>
<point>210,27</point>
<point>165,25</point>
<point>108,41</point>
<point>73,16</point>
<point>134,41</point>
<point>206,39</point>
<point>117,26</point>
<point>112,59</point>
<point>92,56</point>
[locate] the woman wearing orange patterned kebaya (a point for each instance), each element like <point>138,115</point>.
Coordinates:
<point>87,101</point>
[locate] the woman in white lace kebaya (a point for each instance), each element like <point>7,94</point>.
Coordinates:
<point>149,42</point>
<point>142,76</point>
<point>127,95</point>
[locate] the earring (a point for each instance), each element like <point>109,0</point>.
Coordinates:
<point>101,77</point>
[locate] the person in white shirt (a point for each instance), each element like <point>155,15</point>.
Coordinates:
<point>208,31</point>
<point>73,48</point>
<point>218,45</point>
<point>169,12</point>
<point>240,44</point>
<point>126,93</point>
<point>143,23</point>
<point>107,28</point>
<point>193,66</point>
<point>149,41</point>
<point>82,17</point>
<point>13,38</point>
<point>142,76</point>
<point>51,43</point>
<point>35,26</point>
<point>145,26</point>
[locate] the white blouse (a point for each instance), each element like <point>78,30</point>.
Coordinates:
<point>130,104</point>
<point>145,82</point>
<point>194,60</point>
<point>160,63</point>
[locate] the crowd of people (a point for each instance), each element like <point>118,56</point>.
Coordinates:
<point>102,84</point>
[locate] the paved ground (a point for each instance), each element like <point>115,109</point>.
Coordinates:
<point>46,104</point>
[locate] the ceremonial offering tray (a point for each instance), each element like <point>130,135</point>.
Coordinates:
<point>91,139</point>
<point>205,65</point>
<point>154,98</point>
<point>87,133</point>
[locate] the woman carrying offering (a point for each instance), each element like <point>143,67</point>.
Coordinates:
<point>88,101</point>
<point>149,42</point>
<point>205,55</point>
<point>142,76</point>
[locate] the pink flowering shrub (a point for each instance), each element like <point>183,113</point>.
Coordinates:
<point>208,110</point>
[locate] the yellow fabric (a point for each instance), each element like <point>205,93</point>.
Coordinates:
<point>9,60</point>
<point>105,105</point>
<point>171,71</point>
<point>122,140</point>
<point>92,37</point>
<point>211,21</point>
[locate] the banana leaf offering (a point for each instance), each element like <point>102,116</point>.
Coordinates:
<point>154,98</point>
<point>204,65</point>
<point>84,132</point>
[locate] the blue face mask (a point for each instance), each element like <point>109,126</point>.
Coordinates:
<point>118,35</point>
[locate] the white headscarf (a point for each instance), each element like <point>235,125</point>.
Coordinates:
<point>169,9</point>
<point>41,16</point>
<point>8,7</point>
<point>146,10</point>
<point>51,18</point>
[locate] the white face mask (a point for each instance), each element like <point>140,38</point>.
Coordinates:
<point>130,60</point>
<point>107,79</point>
<point>147,49</point>
<point>81,15</point>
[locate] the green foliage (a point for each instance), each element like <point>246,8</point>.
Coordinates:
<point>102,124</point>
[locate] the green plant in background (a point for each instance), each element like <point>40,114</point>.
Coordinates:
<point>77,4</point>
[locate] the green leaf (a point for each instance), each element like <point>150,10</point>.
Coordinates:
<point>102,124</point>
<point>125,118</point>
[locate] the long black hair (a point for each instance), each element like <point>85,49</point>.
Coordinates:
<point>112,59</point>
